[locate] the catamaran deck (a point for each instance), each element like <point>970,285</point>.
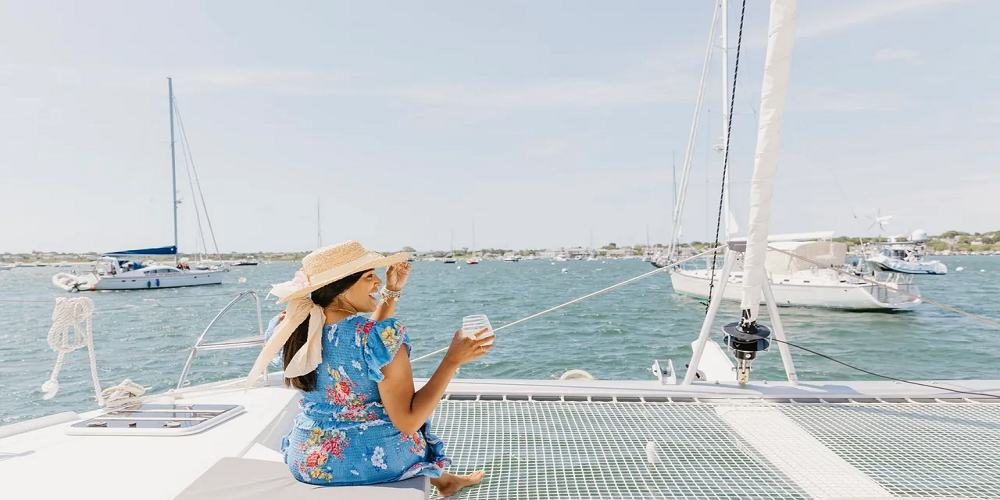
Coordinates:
<point>542,439</point>
<point>655,446</point>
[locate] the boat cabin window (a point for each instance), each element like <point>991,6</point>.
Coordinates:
<point>160,271</point>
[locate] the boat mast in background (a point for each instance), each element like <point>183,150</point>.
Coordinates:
<point>319,227</point>
<point>678,209</point>
<point>173,161</point>
<point>727,225</point>
<point>673,175</point>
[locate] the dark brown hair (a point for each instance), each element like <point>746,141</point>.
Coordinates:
<point>322,297</point>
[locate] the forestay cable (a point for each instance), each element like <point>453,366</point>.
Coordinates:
<point>594,294</point>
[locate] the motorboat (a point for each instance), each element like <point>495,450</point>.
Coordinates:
<point>904,257</point>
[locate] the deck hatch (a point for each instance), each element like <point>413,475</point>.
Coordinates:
<point>156,420</point>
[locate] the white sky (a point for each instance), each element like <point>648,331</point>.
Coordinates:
<point>545,121</point>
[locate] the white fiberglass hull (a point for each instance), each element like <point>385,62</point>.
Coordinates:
<point>136,280</point>
<point>883,263</point>
<point>799,291</point>
<point>189,278</point>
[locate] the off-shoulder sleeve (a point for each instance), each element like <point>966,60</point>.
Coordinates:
<point>382,339</point>
<point>277,359</point>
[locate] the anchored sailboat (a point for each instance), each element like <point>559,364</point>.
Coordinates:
<point>473,260</point>
<point>795,282</point>
<point>122,271</point>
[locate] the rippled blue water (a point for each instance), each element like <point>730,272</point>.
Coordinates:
<point>617,335</point>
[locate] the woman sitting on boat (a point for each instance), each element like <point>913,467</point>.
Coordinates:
<point>361,422</point>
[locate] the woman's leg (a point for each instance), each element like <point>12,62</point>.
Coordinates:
<point>449,484</point>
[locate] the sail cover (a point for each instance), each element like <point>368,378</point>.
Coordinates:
<point>171,250</point>
<point>777,66</point>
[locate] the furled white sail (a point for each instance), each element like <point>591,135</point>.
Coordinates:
<point>777,66</point>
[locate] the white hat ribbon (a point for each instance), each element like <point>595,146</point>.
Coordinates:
<point>309,356</point>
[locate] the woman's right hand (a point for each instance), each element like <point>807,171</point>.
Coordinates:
<point>464,349</point>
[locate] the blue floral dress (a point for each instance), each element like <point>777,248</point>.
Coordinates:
<point>343,435</point>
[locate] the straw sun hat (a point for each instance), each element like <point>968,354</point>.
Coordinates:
<point>329,264</point>
<point>319,268</point>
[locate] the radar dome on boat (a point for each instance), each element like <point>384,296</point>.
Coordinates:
<point>919,235</point>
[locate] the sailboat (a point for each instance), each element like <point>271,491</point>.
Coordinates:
<point>473,260</point>
<point>121,270</point>
<point>795,281</point>
<point>449,258</point>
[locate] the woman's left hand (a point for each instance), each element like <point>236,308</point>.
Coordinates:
<point>396,276</point>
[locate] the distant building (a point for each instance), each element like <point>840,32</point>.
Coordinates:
<point>574,252</point>
<point>621,252</point>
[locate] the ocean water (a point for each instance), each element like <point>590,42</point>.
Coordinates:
<point>142,335</point>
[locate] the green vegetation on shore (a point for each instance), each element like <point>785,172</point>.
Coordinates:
<point>949,241</point>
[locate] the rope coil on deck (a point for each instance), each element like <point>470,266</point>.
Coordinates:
<point>72,329</point>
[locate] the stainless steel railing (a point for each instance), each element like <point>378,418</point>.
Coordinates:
<point>201,345</point>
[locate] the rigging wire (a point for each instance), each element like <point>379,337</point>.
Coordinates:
<point>879,375</point>
<point>725,160</point>
<point>187,168</point>
<point>589,295</point>
<point>201,195</point>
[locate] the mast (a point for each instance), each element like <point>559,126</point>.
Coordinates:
<point>673,172</point>
<point>319,227</point>
<point>473,236</point>
<point>727,228</point>
<point>173,162</point>
<point>689,152</point>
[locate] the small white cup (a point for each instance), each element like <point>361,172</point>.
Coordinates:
<point>473,323</point>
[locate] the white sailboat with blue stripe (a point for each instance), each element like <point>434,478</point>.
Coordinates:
<point>123,271</point>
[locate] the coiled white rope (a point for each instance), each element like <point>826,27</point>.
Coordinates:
<point>72,329</point>
<point>123,394</point>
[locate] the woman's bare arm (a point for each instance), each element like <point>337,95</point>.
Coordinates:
<point>409,409</point>
<point>395,278</point>
<point>386,308</point>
